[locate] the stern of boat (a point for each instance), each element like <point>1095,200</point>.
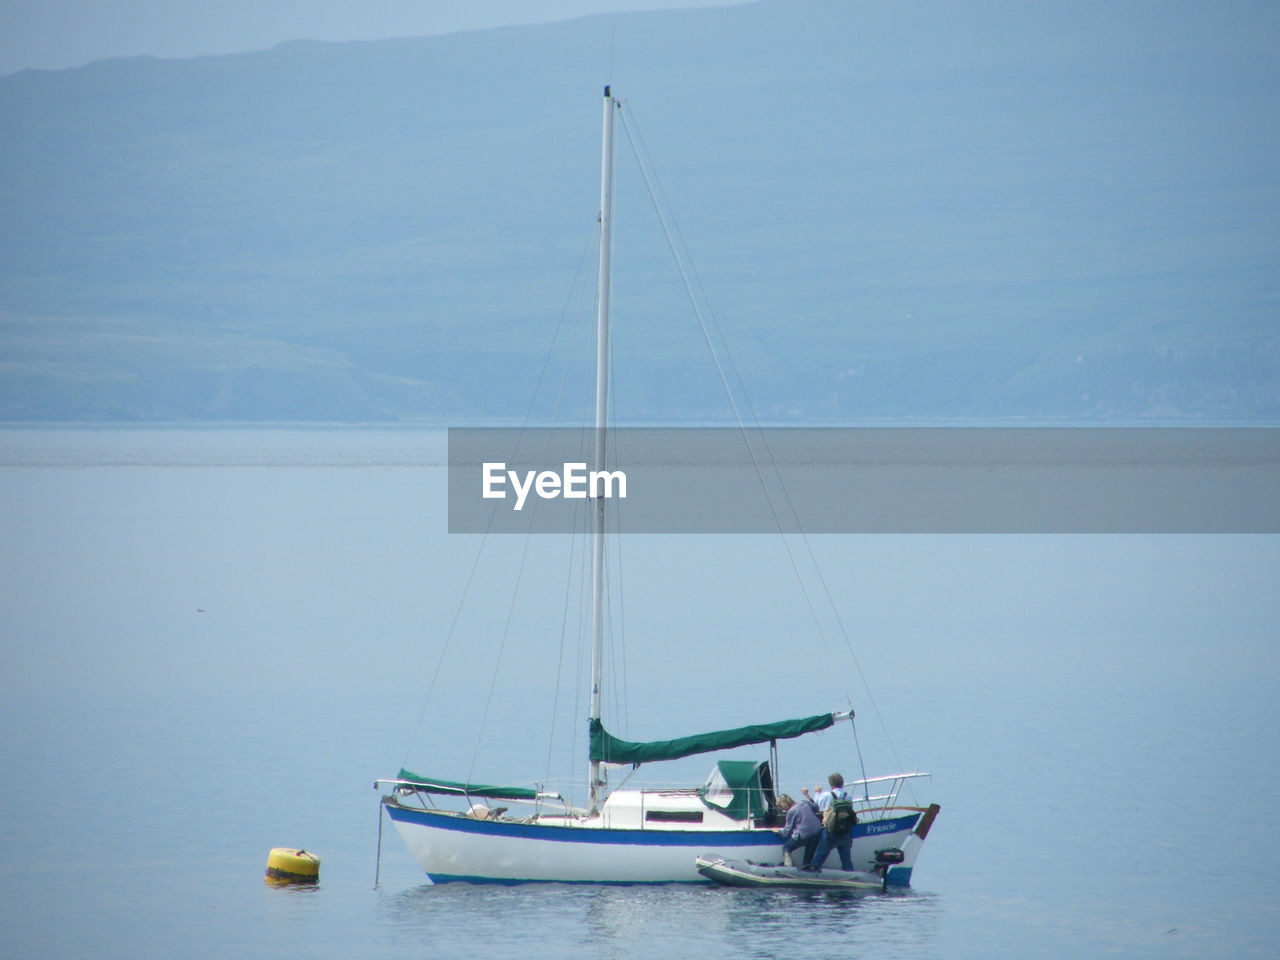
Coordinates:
<point>889,834</point>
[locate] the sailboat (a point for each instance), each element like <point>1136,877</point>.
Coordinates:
<point>636,835</point>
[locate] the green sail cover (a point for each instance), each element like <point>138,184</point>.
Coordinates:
<point>609,749</point>
<point>432,785</point>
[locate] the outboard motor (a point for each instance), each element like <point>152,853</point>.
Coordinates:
<point>885,859</point>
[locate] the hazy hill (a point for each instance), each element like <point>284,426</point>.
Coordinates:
<point>896,209</point>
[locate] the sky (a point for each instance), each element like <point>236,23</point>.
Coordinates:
<point>57,34</point>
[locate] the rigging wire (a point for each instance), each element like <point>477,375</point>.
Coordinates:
<point>612,636</point>
<point>758,428</point>
<point>573,538</point>
<point>584,598</point>
<point>502,643</point>
<point>724,383</point>
<point>581,663</point>
<point>564,631</point>
<point>616,637</point>
<point>528,537</point>
<point>617,544</point>
<point>755,420</point>
<point>524,554</point>
<point>444,652</point>
<point>457,616</point>
<point>866,787</point>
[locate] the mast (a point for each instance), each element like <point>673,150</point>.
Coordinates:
<point>602,418</point>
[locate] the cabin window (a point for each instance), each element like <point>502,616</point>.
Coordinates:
<point>673,816</point>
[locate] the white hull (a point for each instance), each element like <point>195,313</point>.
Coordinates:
<point>451,847</point>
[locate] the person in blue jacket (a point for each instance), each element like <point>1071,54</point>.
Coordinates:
<point>802,829</point>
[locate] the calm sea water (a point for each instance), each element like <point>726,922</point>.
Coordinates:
<point>215,641</point>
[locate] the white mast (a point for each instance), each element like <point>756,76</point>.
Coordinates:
<point>602,417</point>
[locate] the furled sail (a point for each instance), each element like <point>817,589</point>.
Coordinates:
<point>609,749</point>
<point>432,785</point>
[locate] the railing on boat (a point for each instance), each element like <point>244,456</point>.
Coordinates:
<point>865,802</point>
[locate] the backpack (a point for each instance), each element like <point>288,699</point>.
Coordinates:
<point>839,817</point>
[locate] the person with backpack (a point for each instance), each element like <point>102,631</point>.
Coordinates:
<point>838,818</point>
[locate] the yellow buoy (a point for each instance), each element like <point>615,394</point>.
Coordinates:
<point>292,866</point>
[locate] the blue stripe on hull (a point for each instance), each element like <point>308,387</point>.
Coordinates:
<point>558,834</point>
<point>655,838</point>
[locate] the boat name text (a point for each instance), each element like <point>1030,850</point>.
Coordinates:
<point>574,483</point>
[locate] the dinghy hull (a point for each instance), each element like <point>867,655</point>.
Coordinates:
<point>744,873</point>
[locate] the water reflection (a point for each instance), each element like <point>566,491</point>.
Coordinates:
<point>568,920</point>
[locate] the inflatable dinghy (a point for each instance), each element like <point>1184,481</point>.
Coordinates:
<point>744,873</point>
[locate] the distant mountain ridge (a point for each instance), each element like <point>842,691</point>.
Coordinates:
<point>896,210</point>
